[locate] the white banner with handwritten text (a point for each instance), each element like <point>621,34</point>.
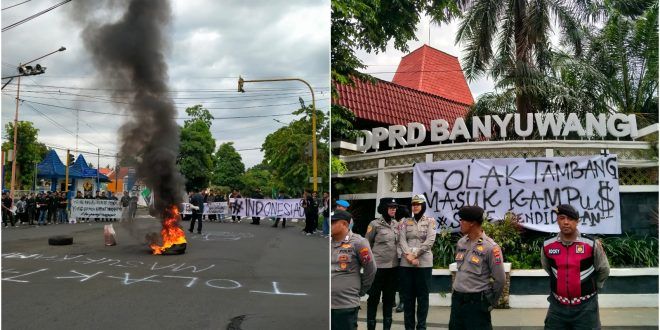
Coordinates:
<point>528,187</point>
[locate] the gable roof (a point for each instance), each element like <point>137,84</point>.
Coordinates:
<point>433,71</point>
<point>391,104</point>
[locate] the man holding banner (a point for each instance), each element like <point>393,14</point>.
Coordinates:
<point>578,268</point>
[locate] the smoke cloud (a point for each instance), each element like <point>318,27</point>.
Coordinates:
<point>129,56</point>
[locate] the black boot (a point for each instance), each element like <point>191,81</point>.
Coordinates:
<point>371,324</point>
<point>399,308</point>
<point>276,222</point>
<point>387,323</point>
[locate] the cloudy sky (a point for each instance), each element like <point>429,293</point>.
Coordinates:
<point>211,44</point>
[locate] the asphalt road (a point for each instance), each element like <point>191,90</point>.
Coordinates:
<point>233,276</point>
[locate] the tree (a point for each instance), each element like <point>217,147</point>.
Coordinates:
<point>195,159</point>
<point>257,176</point>
<point>30,153</point>
<point>287,151</point>
<point>521,30</point>
<point>229,167</point>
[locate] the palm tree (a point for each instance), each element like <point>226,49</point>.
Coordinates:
<point>520,29</point>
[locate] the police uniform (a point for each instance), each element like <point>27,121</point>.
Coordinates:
<point>383,237</point>
<point>577,270</point>
<point>473,293</point>
<point>416,236</point>
<point>349,256</point>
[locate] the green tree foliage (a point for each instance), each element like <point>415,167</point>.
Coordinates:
<point>337,166</point>
<point>30,153</point>
<point>195,159</point>
<point>228,167</point>
<point>258,176</point>
<point>287,151</point>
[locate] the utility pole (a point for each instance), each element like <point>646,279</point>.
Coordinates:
<point>98,161</point>
<point>116,173</point>
<point>66,174</point>
<point>24,70</point>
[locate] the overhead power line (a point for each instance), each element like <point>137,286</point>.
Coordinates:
<point>18,4</point>
<point>128,115</point>
<point>13,25</point>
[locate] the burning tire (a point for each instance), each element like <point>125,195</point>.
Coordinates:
<point>60,240</point>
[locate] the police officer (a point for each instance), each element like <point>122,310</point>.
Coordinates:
<point>383,237</point>
<point>478,259</point>
<point>350,254</point>
<point>578,268</point>
<point>416,237</point>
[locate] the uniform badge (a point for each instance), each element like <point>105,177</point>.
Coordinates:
<point>579,249</point>
<point>553,252</point>
<point>480,248</point>
<point>345,246</point>
<point>459,256</point>
<point>497,255</point>
<point>343,265</point>
<point>475,260</point>
<point>343,257</point>
<point>364,255</point>
<point>410,222</point>
<point>369,229</point>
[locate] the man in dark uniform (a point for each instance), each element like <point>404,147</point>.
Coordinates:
<point>281,195</point>
<point>578,268</point>
<point>197,201</point>
<point>350,254</point>
<point>478,259</point>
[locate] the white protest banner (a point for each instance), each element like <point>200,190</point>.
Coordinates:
<point>528,187</point>
<point>281,208</point>
<point>209,208</point>
<point>95,208</point>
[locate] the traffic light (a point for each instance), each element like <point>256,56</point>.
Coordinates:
<point>240,84</point>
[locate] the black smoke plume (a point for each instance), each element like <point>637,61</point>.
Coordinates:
<point>129,57</point>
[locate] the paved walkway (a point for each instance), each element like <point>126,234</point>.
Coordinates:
<point>530,318</point>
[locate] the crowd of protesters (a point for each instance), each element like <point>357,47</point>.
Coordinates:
<point>52,207</point>
<point>313,206</point>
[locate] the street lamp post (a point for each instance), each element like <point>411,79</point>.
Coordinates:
<point>23,72</point>
<point>314,168</point>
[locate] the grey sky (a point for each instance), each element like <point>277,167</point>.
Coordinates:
<point>212,43</point>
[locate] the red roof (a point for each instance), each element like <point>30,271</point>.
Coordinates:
<point>105,171</point>
<point>123,171</point>
<point>433,71</point>
<point>391,104</point>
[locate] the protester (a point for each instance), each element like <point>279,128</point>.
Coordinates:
<point>220,198</point>
<point>578,268</point>
<point>478,259</point>
<point>62,202</point>
<point>416,238</point>
<point>79,195</point>
<point>53,202</point>
<point>197,201</point>
<point>311,212</point>
<point>281,195</point>
<point>326,214</point>
<point>132,205</point>
<point>210,198</point>
<point>234,194</point>
<point>382,235</point>
<point>256,195</point>
<point>31,203</point>
<point>124,202</point>
<point>40,201</point>
<point>352,272</point>
<point>7,213</point>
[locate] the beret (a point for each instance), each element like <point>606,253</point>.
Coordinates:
<point>471,213</point>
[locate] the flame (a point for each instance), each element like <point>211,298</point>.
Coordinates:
<point>171,232</point>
